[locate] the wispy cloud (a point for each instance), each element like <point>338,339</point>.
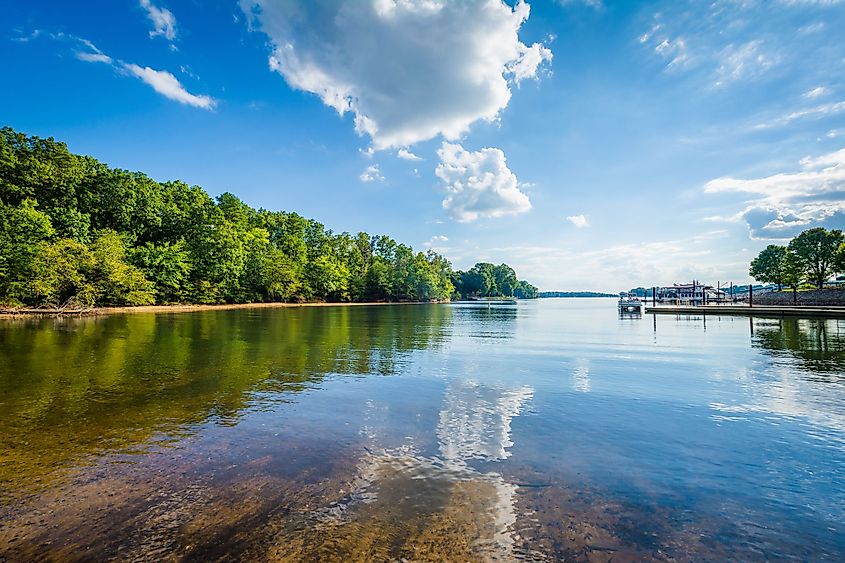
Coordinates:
<point>579,221</point>
<point>371,174</point>
<point>437,243</point>
<point>743,62</point>
<point>26,38</point>
<point>161,81</point>
<point>816,92</point>
<point>92,54</point>
<point>168,86</point>
<point>814,112</point>
<point>163,20</point>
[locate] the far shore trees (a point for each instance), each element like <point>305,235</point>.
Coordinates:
<point>73,230</point>
<point>488,280</point>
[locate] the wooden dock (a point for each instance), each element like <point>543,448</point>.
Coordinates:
<point>755,311</point>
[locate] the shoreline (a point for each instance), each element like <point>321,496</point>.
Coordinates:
<point>829,311</point>
<point>188,308</point>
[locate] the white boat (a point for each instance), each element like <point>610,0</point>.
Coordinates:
<point>629,303</point>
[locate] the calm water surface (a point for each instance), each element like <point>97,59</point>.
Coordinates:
<point>547,430</point>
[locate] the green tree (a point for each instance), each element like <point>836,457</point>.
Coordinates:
<point>59,275</point>
<point>792,273</point>
<point>168,266</point>
<point>767,267</point>
<point>115,281</point>
<point>815,249</point>
<point>525,290</point>
<point>23,230</point>
<point>506,281</point>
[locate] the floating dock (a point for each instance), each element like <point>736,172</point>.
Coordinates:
<point>754,311</point>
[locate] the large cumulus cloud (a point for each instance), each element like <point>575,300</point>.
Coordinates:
<point>478,184</point>
<point>409,70</point>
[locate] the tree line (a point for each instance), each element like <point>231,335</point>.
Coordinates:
<point>487,280</point>
<point>75,230</point>
<point>812,257</point>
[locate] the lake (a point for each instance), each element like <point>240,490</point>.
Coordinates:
<point>539,431</point>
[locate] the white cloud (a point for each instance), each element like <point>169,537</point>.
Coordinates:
<point>371,174</point>
<point>787,203</point>
<point>579,221</point>
<point>815,93</point>
<point>743,62</point>
<point>92,55</point>
<point>405,154</point>
<point>21,38</point>
<point>478,184</point>
<point>163,20</point>
<point>168,86</point>
<point>408,70</point>
<point>161,81</point>
<point>436,243</point>
<point>815,112</point>
<point>597,4</point>
<point>674,50</point>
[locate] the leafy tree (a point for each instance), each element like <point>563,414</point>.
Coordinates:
<point>474,282</point>
<point>767,267</point>
<point>506,281</point>
<point>815,249</point>
<point>23,229</point>
<point>327,278</point>
<point>792,273</point>
<point>115,281</point>
<point>168,266</point>
<point>525,290</point>
<point>59,275</point>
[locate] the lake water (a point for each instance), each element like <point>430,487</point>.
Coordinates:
<point>546,430</point>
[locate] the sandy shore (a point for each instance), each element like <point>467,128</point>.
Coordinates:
<point>12,313</point>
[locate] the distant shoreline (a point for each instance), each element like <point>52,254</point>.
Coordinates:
<point>188,308</point>
<point>551,294</point>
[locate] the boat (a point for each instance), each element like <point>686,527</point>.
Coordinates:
<point>629,303</point>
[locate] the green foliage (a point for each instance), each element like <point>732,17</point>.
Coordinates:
<point>23,229</point>
<point>71,228</point>
<point>115,281</point>
<point>792,271</point>
<point>58,275</point>
<point>815,249</point>
<point>167,265</point>
<point>525,290</point>
<point>486,280</point>
<point>767,267</point>
<point>813,256</point>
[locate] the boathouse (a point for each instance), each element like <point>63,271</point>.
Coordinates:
<point>689,294</point>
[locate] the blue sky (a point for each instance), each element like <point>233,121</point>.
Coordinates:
<point>590,144</point>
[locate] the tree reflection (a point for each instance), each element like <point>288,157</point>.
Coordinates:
<point>817,345</point>
<point>72,388</point>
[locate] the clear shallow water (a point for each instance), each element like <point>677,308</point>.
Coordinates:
<point>552,429</point>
